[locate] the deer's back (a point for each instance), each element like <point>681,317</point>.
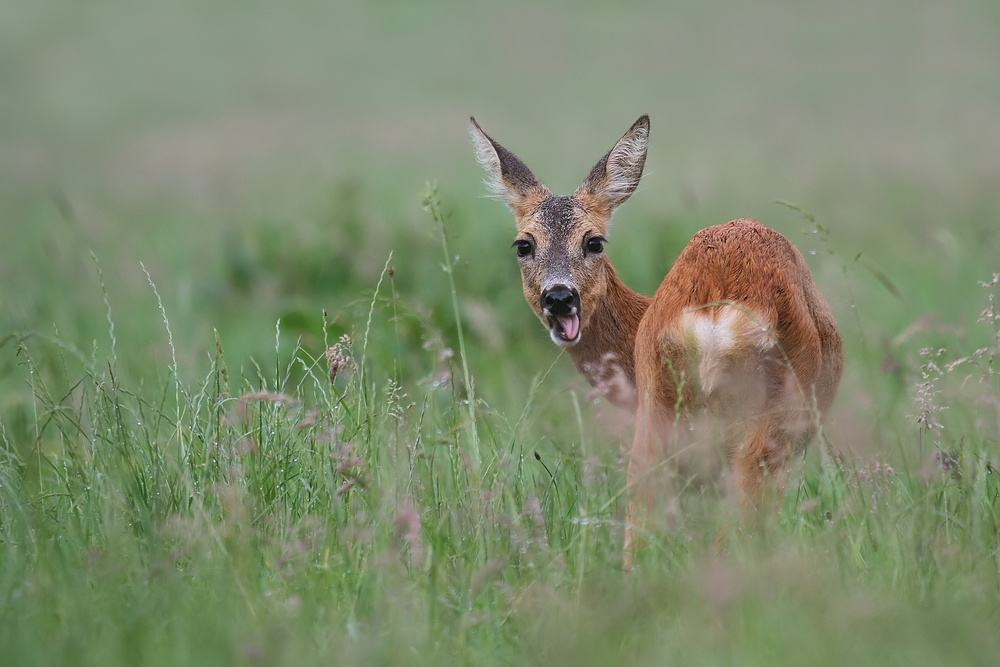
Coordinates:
<point>740,296</point>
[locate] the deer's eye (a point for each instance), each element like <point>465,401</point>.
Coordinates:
<point>594,245</point>
<point>523,247</point>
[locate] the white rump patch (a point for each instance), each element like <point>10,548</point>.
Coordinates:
<point>723,335</point>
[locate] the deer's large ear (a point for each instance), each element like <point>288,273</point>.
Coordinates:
<point>616,175</point>
<point>506,176</point>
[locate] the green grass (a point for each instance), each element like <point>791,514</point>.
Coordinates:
<point>264,513</point>
<point>198,201</point>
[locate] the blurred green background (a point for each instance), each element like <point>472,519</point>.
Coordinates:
<point>265,162</point>
<point>262,161</point>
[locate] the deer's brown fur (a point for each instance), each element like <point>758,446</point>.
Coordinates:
<point>737,335</point>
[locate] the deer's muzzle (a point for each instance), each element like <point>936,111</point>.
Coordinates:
<point>561,307</point>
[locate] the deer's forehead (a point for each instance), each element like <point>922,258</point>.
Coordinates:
<point>555,217</point>
<point>558,214</point>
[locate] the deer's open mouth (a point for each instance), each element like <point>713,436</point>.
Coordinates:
<point>565,329</point>
<point>561,307</point>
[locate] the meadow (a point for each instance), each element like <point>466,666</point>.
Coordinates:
<point>270,393</point>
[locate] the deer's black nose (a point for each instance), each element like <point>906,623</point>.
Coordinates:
<point>560,300</point>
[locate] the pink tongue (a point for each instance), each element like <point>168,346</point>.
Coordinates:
<point>570,325</point>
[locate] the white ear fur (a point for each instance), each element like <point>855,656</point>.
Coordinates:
<point>506,176</point>
<point>488,159</point>
<point>616,176</point>
<point>625,163</point>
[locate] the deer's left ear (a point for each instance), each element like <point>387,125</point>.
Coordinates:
<point>616,175</point>
<point>506,176</point>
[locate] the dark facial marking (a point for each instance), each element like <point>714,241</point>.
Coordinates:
<point>558,213</point>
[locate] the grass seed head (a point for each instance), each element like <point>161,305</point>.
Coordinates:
<point>337,355</point>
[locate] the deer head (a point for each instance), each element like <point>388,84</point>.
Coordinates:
<point>565,273</point>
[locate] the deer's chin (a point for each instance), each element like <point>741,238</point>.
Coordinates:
<point>565,330</point>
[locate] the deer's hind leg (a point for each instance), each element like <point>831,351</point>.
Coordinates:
<point>759,462</point>
<point>652,479</point>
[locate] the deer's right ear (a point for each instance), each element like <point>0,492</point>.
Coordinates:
<point>506,176</point>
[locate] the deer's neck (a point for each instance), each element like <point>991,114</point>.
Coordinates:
<point>605,354</point>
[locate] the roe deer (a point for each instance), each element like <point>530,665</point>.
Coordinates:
<point>737,335</point>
